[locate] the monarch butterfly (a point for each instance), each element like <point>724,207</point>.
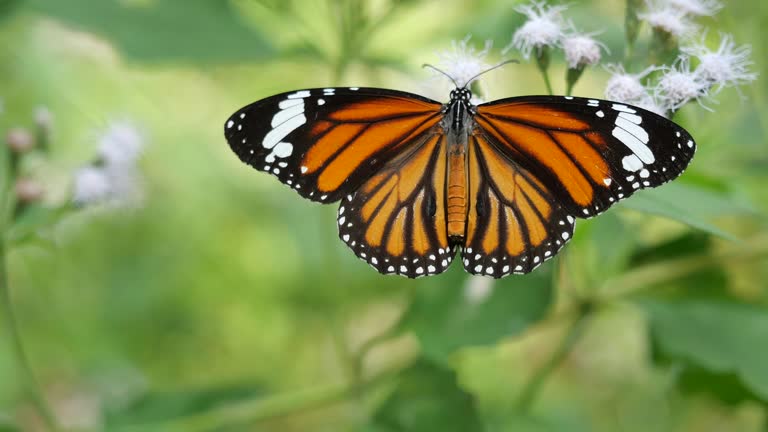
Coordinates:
<point>502,181</point>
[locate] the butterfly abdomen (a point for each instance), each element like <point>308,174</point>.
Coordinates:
<point>457,194</point>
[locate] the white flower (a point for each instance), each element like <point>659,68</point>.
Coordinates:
<point>43,117</point>
<point>650,103</point>
<point>697,7</point>
<point>463,62</point>
<point>728,66</point>
<point>679,85</point>
<point>625,87</point>
<point>477,289</point>
<point>668,19</point>
<point>91,185</point>
<point>121,143</point>
<point>581,50</point>
<point>115,178</point>
<point>544,28</point>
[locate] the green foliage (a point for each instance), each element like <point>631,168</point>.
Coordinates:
<point>720,338</point>
<point>153,31</point>
<point>444,318</point>
<point>157,407</point>
<point>427,398</point>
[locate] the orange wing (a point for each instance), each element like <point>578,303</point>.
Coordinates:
<point>536,163</point>
<point>324,143</point>
<point>514,221</point>
<point>589,153</point>
<point>396,221</point>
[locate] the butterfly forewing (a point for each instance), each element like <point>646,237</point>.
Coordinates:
<point>396,221</point>
<point>325,143</point>
<point>591,153</point>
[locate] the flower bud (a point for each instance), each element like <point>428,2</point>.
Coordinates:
<point>20,140</point>
<point>28,191</point>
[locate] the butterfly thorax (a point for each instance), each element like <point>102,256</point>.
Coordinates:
<point>457,124</point>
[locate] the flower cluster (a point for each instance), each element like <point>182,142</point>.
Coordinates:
<point>21,142</point>
<point>680,82</point>
<point>545,27</point>
<point>113,178</point>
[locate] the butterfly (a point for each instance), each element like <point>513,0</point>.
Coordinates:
<point>419,180</point>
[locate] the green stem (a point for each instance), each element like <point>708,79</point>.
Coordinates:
<point>31,385</point>
<point>534,385</point>
<point>542,62</point>
<point>653,274</point>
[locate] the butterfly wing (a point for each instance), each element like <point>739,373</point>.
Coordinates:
<point>540,161</point>
<point>325,143</point>
<point>515,222</point>
<point>396,221</point>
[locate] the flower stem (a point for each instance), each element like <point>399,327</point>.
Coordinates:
<point>32,387</point>
<point>542,62</point>
<point>534,385</point>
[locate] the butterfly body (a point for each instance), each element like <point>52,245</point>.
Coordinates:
<point>419,180</point>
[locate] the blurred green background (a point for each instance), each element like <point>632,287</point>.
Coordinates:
<point>227,303</point>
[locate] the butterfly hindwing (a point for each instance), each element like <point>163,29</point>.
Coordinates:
<point>591,153</point>
<point>514,221</point>
<point>396,221</point>
<point>324,143</point>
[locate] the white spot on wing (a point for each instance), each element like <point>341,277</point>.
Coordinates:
<point>624,108</point>
<point>631,163</point>
<point>281,150</point>
<point>299,94</point>
<point>634,144</point>
<point>277,134</point>
<point>290,102</point>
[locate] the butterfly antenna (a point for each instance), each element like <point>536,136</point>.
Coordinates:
<point>505,62</point>
<point>426,65</point>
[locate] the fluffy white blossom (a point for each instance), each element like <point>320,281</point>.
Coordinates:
<point>650,103</point>
<point>544,28</point>
<point>43,117</point>
<point>626,87</point>
<point>463,62</point>
<point>91,185</point>
<point>697,7</point>
<point>115,178</point>
<point>679,85</point>
<point>581,50</point>
<point>477,289</point>
<point>120,144</point>
<point>666,18</point>
<point>728,66</point>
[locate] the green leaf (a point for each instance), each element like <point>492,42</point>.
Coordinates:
<point>201,31</point>
<point>7,424</point>
<point>7,7</point>
<point>32,221</point>
<point>717,336</point>
<point>688,204</point>
<point>726,387</point>
<point>427,398</point>
<point>444,318</point>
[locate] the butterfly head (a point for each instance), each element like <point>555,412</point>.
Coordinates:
<point>461,94</point>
